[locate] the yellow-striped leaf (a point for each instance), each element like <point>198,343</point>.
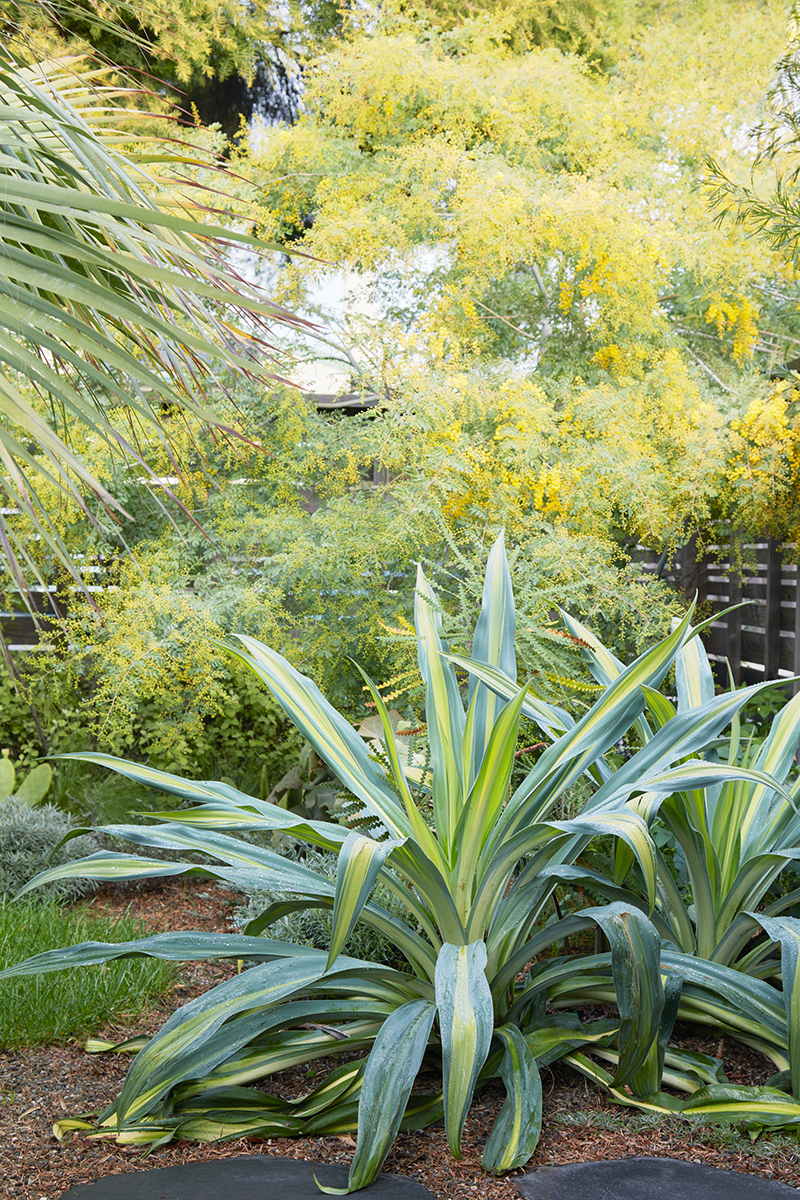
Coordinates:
<point>693,678</point>
<point>466,1019</point>
<point>760,1107</point>
<point>515,1133</point>
<point>492,643</point>
<point>636,969</point>
<point>786,930</point>
<point>389,1076</point>
<point>160,1065</point>
<point>630,828</point>
<point>444,712</point>
<point>333,738</point>
<point>360,861</point>
<point>486,798</point>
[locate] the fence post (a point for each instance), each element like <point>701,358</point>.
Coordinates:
<point>796,664</point>
<point>734,655</point>
<point>694,572</point>
<point>772,622</point>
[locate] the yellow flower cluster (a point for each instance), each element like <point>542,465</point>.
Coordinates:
<point>764,466</point>
<point>738,318</point>
<point>547,496</point>
<point>624,362</point>
<point>486,449</point>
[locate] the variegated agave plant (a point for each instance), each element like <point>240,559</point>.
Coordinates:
<point>736,837</point>
<point>474,884</point>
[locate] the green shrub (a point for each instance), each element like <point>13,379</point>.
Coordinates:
<point>55,1008</point>
<point>28,837</point>
<point>242,735</point>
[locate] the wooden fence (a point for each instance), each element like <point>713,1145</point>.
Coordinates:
<point>19,628</point>
<point>762,639</point>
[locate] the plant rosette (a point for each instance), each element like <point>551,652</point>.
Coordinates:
<point>484,995</point>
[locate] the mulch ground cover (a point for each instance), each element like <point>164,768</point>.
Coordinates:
<point>37,1087</point>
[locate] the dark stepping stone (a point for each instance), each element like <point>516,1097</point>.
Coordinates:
<point>246,1177</point>
<point>647,1179</point>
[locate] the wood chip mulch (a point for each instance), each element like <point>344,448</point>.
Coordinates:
<point>37,1087</point>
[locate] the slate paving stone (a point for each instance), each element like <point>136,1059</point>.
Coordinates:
<point>245,1177</point>
<point>647,1179</point>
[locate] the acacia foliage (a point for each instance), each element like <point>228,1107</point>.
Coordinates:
<point>539,189</point>
<point>528,230</point>
<point>211,55</point>
<point>506,205</point>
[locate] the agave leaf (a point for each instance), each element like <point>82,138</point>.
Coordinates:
<point>343,1081</point>
<point>693,678</point>
<point>434,887</point>
<point>486,798</point>
<point>759,1003</point>
<point>216,1061</point>
<point>444,714</point>
<point>660,708</point>
<point>685,734</point>
<point>757,825</point>
<point>421,832</point>
<point>635,963</point>
<point>228,1124</point>
<point>272,869</point>
<point>752,881</point>
<point>661,1102</point>
<point>466,1019</point>
<point>493,643</point>
<point>604,665</point>
<point>697,774</point>
<point>333,738</point>
<point>559,1033</point>
<point>510,913</point>
<point>786,930</point>
<point>547,716</point>
<point>220,805</point>
<point>159,1066</point>
<point>126,1046</point>
<point>422,1111</point>
<point>516,1130</point>
<point>389,1076</point>
<point>174,947</point>
<point>647,1080</point>
<point>626,825</point>
<point>290,1047</point>
<point>763,1107</point>
<point>567,759</point>
<point>360,862</point>
<point>703,1066</point>
<point>107,865</point>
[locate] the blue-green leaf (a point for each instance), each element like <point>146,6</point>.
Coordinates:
<point>786,930</point>
<point>360,862</point>
<point>516,1131</point>
<point>466,1020</point>
<point>493,643</point>
<point>389,1076</point>
<point>636,968</point>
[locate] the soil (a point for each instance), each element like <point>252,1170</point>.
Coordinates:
<point>37,1087</point>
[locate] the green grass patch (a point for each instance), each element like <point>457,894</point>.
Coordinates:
<point>768,1145</point>
<point>63,1005</point>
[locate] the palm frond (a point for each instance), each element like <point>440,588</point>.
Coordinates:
<point>112,305</point>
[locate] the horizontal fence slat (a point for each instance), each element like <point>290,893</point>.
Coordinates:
<point>762,638</point>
